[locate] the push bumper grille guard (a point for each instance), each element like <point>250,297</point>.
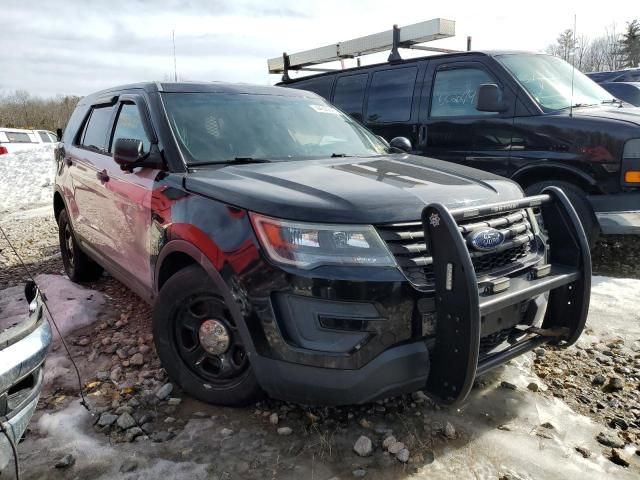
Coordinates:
<point>461,304</point>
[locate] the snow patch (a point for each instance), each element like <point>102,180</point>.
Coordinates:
<point>26,179</point>
<point>614,308</point>
<point>72,305</point>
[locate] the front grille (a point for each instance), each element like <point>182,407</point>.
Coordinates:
<point>407,243</point>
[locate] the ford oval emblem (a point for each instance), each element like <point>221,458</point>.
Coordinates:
<point>486,239</point>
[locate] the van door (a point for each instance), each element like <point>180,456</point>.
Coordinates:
<point>392,100</point>
<point>452,129</point>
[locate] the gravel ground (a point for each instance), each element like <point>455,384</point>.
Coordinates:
<point>134,404</point>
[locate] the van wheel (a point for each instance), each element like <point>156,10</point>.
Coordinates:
<point>578,199</point>
<point>198,341</point>
<point>77,265</point>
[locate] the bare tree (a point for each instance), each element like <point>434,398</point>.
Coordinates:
<point>23,110</point>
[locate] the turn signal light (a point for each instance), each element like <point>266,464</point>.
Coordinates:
<point>632,177</point>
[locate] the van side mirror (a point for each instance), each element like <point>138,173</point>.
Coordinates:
<point>128,153</point>
<point>400,144</point>
<point>59,134</point>
<point>489,98</point>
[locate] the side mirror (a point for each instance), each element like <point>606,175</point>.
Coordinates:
<point>401,144</point>
<point>489,98</point>
<point>59,134</point>
<point>128,152</point>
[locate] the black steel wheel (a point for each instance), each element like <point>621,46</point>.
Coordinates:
<point>199,343</point>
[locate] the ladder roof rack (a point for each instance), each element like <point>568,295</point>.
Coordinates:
<point>405,37</point>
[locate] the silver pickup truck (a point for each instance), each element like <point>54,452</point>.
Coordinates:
<point>25,338</point>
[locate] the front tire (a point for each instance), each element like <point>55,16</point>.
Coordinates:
<point>578,199</point>
<point>198,341</point>
<point>77,265</point>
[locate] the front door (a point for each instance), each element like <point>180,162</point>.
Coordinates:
<point>453,129</point>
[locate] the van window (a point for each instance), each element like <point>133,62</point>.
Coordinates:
<point>349,94</point>
<point>321,86</point>
<point>454,92</point>
<point>129,125</point>
<point>44,137</point>
<point>391,95</point>
<point>18,137</point>
<point>95,133</point>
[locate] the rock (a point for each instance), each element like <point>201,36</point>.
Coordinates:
<point>147,428</point>
<point>508,385</point>
<point>125,421</point>
<point>226,432</point>
<point>618,458</point>
<point>284,431</point>
<point>83,342</point>
<point>609,440</point>
<point>102,376</point>
<point>107,419</point>
<point>512,476</point>
<point>395,448</point>
<point>242,467</point>
<point>388,441</point>
<point>133,433</point>
<point>403,455</point>
<point>419,397</point>
<point>533,386</point>
<point>137,359</point>
<point>599,379</point>
<point>360,472</point>
<point>65,462</point>
<point>539,352</point>
<point>363,446</point>
<point>615,385</point>
<point>548,426</point>
<point>586,453</point>
<point>164,391</point>
<point>121,353</point>
<point>129,465</point>
<point>114,376</point>
<point>449,431</point>
<point>429,457</point>
<point>170,420</point>
<point>123,409</point>
<point>158,437</point>
<point>364,423</point>
<point>274,419</point>
<point>174,402</point>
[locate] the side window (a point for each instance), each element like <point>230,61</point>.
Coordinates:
<point>349,94</point>
<point>95,131</point>
<point>321,86</point>
<point>44,137</point>
<point>18,137</point>
<point>454,92</point>
<point>391,94</point>
<point>129,125</point>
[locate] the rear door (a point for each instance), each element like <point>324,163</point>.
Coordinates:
<point>452,129</point>
<point>392,100</point>
<point>87,160</point>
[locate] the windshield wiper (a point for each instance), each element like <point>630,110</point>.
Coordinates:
<point>340,155</point>
<point>613,100</point>
<point>234,161</point>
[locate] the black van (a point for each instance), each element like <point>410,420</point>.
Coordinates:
<point>515,114</point>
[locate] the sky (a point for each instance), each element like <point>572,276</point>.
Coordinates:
<point>80,46</point>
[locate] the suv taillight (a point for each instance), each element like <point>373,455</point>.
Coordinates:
<point>3,150</point>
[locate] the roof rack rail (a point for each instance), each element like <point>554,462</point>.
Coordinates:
<point>408,36</point>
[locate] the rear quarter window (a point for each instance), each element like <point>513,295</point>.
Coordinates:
<point>349,94</point>
<point>44,136</point>
<point>391,95</point>
<point>18,137</point>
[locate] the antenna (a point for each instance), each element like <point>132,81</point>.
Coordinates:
<point>573,62</point>
<point>175,69</point>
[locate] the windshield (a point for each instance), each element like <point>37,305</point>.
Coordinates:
<point>221,127</point>
<point>548,80</point>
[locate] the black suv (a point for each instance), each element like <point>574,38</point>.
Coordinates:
<point>287,249</point>
<point>525,116</point>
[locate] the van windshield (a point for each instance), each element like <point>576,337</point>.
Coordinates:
<point>548,81</point>
<point>221,127</point>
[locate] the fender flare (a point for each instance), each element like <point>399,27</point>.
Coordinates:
<point>203,261</point>
<point>553,166</point>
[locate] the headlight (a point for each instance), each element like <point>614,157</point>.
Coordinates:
<point>632,149</point>
<point>309,245</point>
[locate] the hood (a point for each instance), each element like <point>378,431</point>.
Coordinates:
<point>623,114</point>
<point>376,190</point>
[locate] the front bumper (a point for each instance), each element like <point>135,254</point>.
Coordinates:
<point>21,376</point>
<point>617,214</point>
<point>390,347</point>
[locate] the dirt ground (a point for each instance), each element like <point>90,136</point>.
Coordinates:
<point>568,414</point>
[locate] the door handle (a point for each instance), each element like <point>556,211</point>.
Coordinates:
<point>422,136</point>
<point>103,176</point>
